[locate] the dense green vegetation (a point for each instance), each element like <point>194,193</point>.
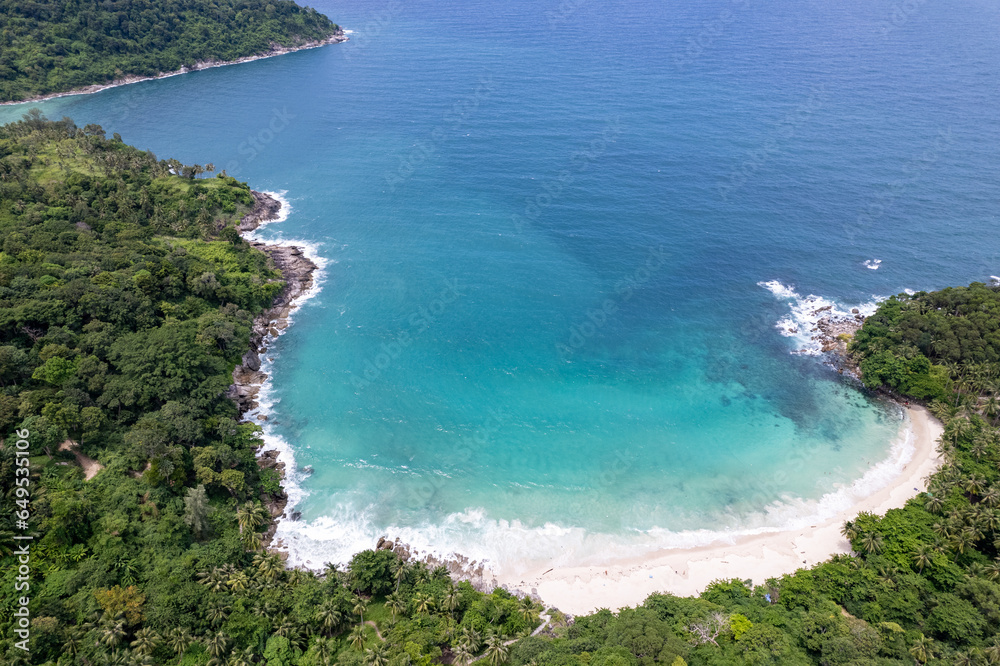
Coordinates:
<point>918,345</point>
<point>48,47</point>
<point>126,299</point>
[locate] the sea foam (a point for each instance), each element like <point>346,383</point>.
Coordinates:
<point>266,400</point>
<point>512,548</point>
<point>806,311</point>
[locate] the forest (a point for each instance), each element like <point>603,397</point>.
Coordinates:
<point>50,47</point>
<point>126,300</point>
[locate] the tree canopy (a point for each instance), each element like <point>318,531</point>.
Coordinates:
<point>49,47</point>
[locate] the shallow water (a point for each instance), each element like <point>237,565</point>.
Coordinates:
<point>559,237</point>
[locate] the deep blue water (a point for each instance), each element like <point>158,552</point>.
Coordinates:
<point>546,225</point>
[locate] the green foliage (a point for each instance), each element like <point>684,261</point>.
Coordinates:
<point>911,342</point>
<point>48,47</point>
<point>371,571</point>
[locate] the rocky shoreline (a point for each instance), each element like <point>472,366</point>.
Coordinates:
<point>833,332</point>
<point>275,50</point>
<point>297,272</point>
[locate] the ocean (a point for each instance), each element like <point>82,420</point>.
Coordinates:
<point>571,251</point>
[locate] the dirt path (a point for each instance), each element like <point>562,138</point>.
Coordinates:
<point>90,466</point>
<point>375,627</point>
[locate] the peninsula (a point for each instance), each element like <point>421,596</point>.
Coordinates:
<point>48,49</point>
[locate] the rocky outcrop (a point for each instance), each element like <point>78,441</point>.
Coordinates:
<point>297,272</point>
<point>248,378</point>
<point>834,332</point>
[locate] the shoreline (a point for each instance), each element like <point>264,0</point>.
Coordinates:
<point>686,572</point>
<point>626,582</point>
<point>298,272</point>
<point>336,38</point>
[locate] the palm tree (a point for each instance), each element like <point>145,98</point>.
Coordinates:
<point>462,654</point>
<point>976,570</point>
<point>395,604</point>
<point>871,543</point>
<point>145,641</point>
<point>324,650</point>
<point>923,650</point>
<point>992,408</point>
<point>979,448</point>
<point>423,603</point>
<point>969,658</point>
<point>992,569</point>
<point>934,503</point>
<point>375,655</point>
<point>420,573</point>
<point>179,640</point>
<point>922,557</point>
<point>992,653</point>
<point>285,627</point>
<point>328,616</point>
<point>217,645</point>
<point>218,613</point>
<point>975,484</point>
<point>451,600</point>
<point>357,637</point>
<point>215,580</point>
<point>496,650</point>
<point>399,571</point>
<point>956,429</point>
<point>849,530</point>
<point>360,606</point>
<point>244,658</point>
<point>270,567</point>
<point>991,497</point>
<point>252,540</point>
<point>963,540</point>
<point>472,638</point>
<point>71,642</point>
<point>112,634</point>
<point>526,608</point>
<point>239,581</point>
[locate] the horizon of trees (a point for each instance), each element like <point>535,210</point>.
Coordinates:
<point>51,47</point>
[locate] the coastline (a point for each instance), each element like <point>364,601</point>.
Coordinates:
<point>299,274</point>
<point>335,38</point>
<point>685,572</point>
<point>621,582</point>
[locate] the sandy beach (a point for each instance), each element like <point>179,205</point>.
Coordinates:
<point>686,572</point>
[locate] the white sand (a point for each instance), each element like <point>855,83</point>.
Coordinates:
<point>686,572</point>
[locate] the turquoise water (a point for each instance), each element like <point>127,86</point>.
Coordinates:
<point>544,328</point>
